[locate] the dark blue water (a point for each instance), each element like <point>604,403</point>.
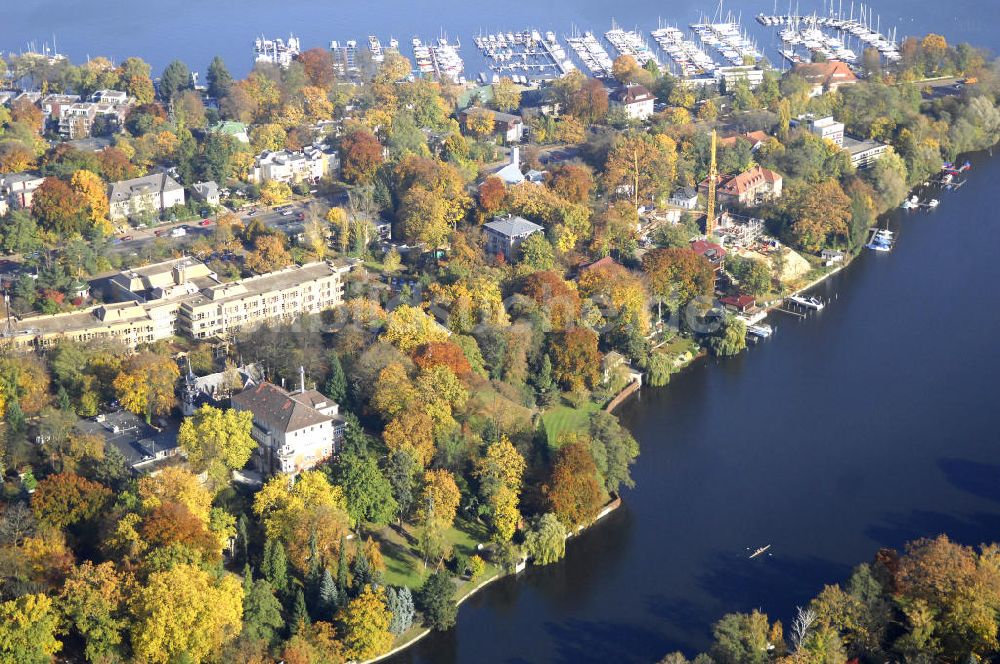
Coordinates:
<point>197,30</point>
<point>870,424</point>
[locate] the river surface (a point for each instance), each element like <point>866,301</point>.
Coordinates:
<point>869,424</point>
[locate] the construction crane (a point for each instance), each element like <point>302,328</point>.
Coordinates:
<point>713,175</point>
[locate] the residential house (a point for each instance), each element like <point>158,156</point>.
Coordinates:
<point>740,304</point>
<point>825,76</point>
<point>712,252</point>
<point>78,120</point>
<point>151,194</point>
<point>19,188</point>
<point>831,257</point>
<point>295,431</point>
<point>52,105</point>
<point>505,234</point>
<point>288,166</point>
<point>636,100</point>
<point>751,187</point>
<point>206,192</point>
<point>509,127</point>
<point>755,138</point>
<point>686,198</point>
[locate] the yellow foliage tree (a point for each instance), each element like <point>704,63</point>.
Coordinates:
<point>92,188</point>
<point>146,384</point>
<point>366,625</point>
<point>273,192</point>
<point>185,612</point>
<point>176,485</point>
<point>440,498</point>
<point>480,122</point>
<point>28,627</point>
<point>217,441</point>
<point>409,327</point>
<point>412,431</point>
<point>269,254</point>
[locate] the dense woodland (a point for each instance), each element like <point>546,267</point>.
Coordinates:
<point>478,420</point>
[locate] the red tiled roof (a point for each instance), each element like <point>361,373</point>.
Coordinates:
<point>825,73</point>
<point>631,94</point>
<point>739,301</point>
<point>753,136</point>
<point>709,250</point>
<point>607,261</point>
<point>742,183</point>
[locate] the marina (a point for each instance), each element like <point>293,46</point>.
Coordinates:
<point>590,51</point>
<point>836,36</point>
<point>344,56</point>
<point>687,58</point>
<point>524,56</point>
<point>729,39</point>
<point>630,42</point>
<point>276,51</point>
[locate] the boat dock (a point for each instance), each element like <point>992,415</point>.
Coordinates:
<point>835,36</point>
<point>447,64</point>
<point>689,59</point>
<point>590,51</point>
<point>630,42</point>
<point>524,56</point>
<point>728,39</point>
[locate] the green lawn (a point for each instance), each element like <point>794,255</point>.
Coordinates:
<point>404,566</point>
<point>564,419</point>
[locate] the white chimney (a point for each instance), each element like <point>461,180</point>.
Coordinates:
<point>302,379</point>
<point>515,156</point>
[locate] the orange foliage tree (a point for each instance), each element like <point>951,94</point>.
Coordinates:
<point>361,155</point>
<point>573,490</point>
<point>65,499</point>
<point>576,360</point>
<point>447,353</point>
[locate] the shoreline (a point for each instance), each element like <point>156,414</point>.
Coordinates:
<point>609,508</point>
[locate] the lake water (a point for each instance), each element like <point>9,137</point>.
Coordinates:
<point>196,30</point>
<point>869,424</point>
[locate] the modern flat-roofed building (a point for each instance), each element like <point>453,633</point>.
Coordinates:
<point>281,295</point>
<point>19,188</point>
<point>864,153</point>
<point>183,296</point>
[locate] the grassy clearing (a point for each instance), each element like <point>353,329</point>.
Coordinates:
<point>565,419</point>
<point>404,565</point>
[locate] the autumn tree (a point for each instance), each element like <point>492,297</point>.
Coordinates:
<point>409,327</point>
<point>366,625</point>
<point>444,353</point>
<point>411,431</point>
<point>576,360</point>
<point>28,627</point>
<point>589,102</point>
<point>440,498</point>
<point>135,80</point>
<point>311,515</point>
<point>480,122</point>
<point>641,166</point>
<point>573,182</point>
<point>506,95</point>
<point>625,69</point>
<point>145,385</point>
<point>184,612</point>
<point>65,499</point>
<point>820,214</point>
<point>678,275</point>
<point>273,192</point>
<point>319,67</point>
<point>619,291</point>
<point>546,541</point>
<point>93,602</point>
<point>15,157</point>
<point>94,194</point>
<point>573,490</point>
<point>500,472</point>
<point>491,195</point>
<point>269,254</point>
<point>361,155</point>
<point>217,441</point>
<point>59,208</point>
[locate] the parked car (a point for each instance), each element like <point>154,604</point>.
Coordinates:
<point>127,238</point>
<point>205,222</point>
<point>159,233</point>
<point>178,232</point>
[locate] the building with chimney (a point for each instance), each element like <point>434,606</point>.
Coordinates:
<point>295,431</point>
